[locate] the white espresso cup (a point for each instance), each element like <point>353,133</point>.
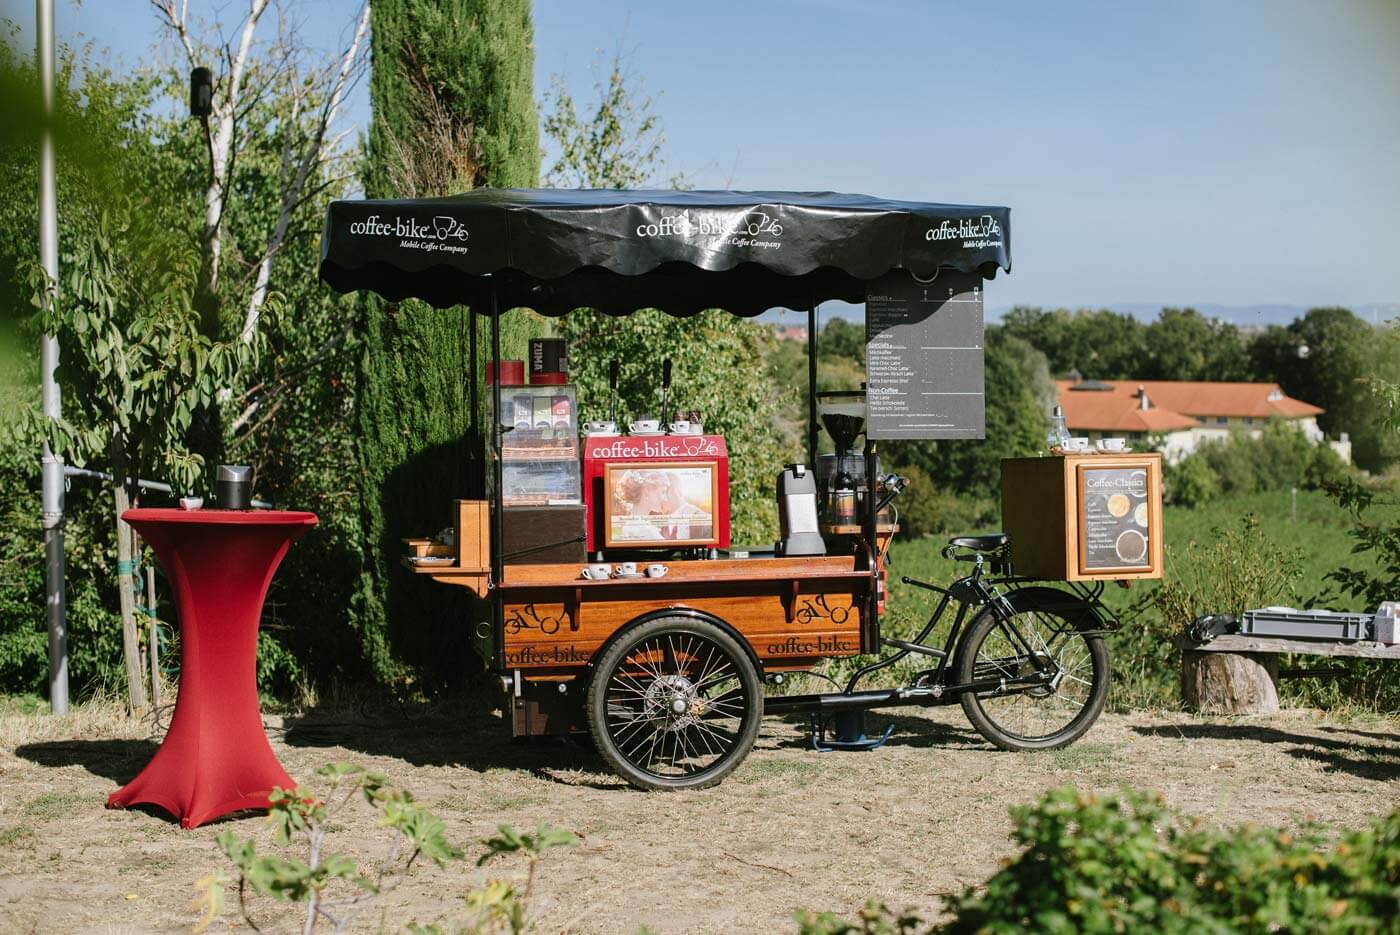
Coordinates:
<point>680,427</point>
<point>1112,444</point>
<point>645,426</point>
<point>626,568</point>
<point>600,428</point>
<point>1077,443</point>
<point>598,571</point>
<point>657,570</point>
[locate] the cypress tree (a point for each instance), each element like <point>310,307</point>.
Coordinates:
<point>452,100</point>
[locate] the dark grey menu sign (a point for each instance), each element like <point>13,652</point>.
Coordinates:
<point>1113,517</point>
<point>923,356</point>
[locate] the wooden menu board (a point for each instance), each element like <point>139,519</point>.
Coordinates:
<point>1084,517</point>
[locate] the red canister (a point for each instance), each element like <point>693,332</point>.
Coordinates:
<point>512,372</point>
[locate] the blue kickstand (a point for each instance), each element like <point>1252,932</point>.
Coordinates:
<point>849,733</point>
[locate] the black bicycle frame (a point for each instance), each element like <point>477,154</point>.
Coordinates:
<point>929,686</point>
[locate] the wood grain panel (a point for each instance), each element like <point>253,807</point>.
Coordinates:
<point>790,629</point>
<point>1041,512</point>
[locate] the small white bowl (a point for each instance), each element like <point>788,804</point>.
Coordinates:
<point>191,503</point>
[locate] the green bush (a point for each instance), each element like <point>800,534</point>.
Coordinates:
<point>1191,482</point>
<point>1237,567</point>
<point>1127,863</point>
<point>918,506</point>
<point>1279,458</point>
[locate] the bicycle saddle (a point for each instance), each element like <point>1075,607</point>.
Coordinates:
<point>988,543</point>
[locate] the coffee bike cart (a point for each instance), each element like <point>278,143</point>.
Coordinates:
<point>669,672</point>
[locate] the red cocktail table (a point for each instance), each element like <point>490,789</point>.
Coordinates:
<point>215,758</point>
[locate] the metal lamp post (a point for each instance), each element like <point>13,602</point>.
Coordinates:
<point>55,598</point>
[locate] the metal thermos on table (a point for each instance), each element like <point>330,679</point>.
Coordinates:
<point>233,487</point>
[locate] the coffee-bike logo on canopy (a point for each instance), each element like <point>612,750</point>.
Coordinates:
<point>983,232</point>
<point>444,233</point>
<point>754,229</point>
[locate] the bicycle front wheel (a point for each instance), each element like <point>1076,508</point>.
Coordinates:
<point>1056,675</point>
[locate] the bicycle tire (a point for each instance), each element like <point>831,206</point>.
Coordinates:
<point>985,711</point>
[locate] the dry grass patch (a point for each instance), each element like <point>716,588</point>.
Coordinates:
<point>790,828</point>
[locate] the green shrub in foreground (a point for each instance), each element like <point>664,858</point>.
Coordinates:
<point>1127,863</point>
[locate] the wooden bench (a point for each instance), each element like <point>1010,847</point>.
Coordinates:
<point>1238,674</point>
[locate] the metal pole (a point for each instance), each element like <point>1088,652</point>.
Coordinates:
<point>498,525</point>
<point>498,564</point>
<point>812,387</point>
<point>55,599</point>
<point>476,481</point>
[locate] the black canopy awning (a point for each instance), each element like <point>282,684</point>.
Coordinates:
<point>682,251</point>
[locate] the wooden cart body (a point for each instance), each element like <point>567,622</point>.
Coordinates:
<point>791,612</point>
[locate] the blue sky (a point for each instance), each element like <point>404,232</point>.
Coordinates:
<point>1188,152</point>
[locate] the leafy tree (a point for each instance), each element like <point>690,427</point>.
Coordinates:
<point>842,338</point>
<point>1182,344</point>
<point>451,91</point>
<point>1372,534</point>
<point>1322,359</point>
<point>618,146</point>
<point>137,368</point>
<point>1100,344</point>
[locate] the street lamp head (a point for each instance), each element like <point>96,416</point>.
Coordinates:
<point>201,92</point>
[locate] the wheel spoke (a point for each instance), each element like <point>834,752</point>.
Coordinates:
<point>676,704</point>
<point>1059,654</point>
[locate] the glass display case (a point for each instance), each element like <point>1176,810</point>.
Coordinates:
<point>540,452</point>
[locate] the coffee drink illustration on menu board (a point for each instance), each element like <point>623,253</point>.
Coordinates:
<point>1115,518</point>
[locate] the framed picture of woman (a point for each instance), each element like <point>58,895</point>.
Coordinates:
<point>660,505</point>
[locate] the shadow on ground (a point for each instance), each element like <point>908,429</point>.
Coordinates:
<point>464,734</point>
<point>909,731</point>
<point>1380,762</point>
<point>118,760</point>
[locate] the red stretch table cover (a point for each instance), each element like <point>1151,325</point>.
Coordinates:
<point>215,758</point>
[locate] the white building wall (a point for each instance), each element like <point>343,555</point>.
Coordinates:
<point>1183,442</point>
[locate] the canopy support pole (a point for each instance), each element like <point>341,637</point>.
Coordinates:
<point>812,386</point>
<point>498,553</point>
<point>476,479</point>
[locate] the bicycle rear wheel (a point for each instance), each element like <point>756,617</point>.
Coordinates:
<point>1044,639</point>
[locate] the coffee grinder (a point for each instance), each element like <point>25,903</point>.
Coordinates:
<point>841,475</point>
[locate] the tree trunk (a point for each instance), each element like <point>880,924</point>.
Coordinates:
<point>126,592</point>
<point>1229,683</point>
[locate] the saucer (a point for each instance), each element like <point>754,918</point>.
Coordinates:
<point>635,574</point>
<point>601,434</point>
<point>647,434</point>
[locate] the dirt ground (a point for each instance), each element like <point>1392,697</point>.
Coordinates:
<point>925,816</point>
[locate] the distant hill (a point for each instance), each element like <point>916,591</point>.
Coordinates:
<point>1243,315</point>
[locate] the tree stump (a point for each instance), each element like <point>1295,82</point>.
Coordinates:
<point>1229,683</point>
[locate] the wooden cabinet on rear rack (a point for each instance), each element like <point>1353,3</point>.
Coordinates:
<point>1084,517</point>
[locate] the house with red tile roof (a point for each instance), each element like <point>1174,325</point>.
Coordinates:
<point>1183,412</point>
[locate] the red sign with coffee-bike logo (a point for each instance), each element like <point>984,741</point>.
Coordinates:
<point>665,495</point>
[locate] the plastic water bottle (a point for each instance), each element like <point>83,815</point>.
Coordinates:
<point>1058,434</point>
